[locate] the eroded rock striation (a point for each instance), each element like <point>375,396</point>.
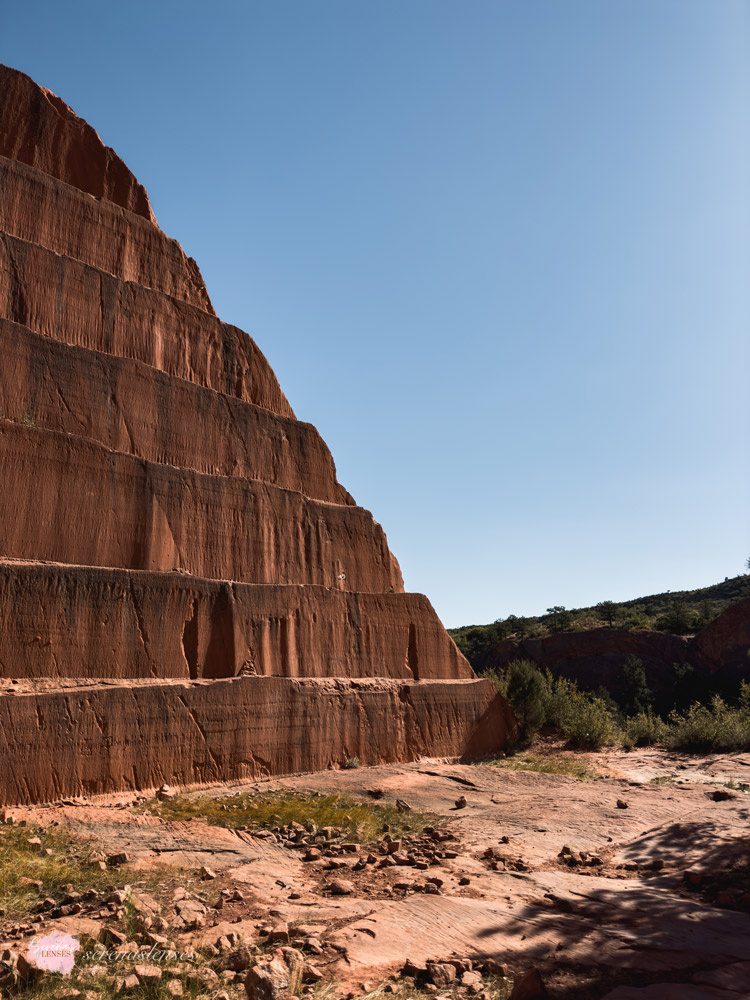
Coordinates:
<point>187,593</point>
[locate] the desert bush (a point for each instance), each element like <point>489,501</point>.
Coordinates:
<point>644,730</point>
<point>527,696</point>
<point>589,724</point>
<point>715,727</point>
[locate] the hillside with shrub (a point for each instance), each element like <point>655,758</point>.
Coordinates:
<point>611,684</point>
<point>683,612</point>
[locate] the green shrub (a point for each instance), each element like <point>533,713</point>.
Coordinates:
<point>637,697</point>
<point>644,730</point>
<point>561,700</point>
<point>527,695</point>
<point>715,727</point>
<point>589,723</point>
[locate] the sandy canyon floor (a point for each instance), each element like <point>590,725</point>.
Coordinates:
<point>649,899</point>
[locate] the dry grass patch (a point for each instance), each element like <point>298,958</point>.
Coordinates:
<point>35,863</point>
<point>360,821</point>
<point>571,767</point>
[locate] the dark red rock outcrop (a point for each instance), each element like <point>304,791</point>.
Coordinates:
<point>186,591</point>
<point>594,657</point>
<point>37,128</point>
<point>725,643</point>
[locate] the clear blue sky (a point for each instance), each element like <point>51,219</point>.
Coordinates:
<point>496,250</point>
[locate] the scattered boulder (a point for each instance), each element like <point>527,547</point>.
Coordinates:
<point>529,987</point>
<point>277,976</point>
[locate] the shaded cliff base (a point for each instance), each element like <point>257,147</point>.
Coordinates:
<point>498,878</point>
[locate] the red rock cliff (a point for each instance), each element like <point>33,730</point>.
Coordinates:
<point>177,557</point>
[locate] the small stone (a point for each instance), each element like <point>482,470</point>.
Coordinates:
<point>529,987</point>
<point>202,978</point>
<point>110,935</point>
<point>341,887</point>
<point>402,806</point>
<point>127,984</point>
<point>148,974</point>
<point>464,881</point>
<point>236,961</point>
<point>622,804</point>
<point>279,932</point>
<point>207,873</point>
<point>115,860</point>
<point>461,802</point>
<point>441,973</point>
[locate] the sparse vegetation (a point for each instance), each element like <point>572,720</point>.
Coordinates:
<point>716,727</point>
<point>682,612</point>
<point>572,767</point>
<point>35,863</point>
<point>104,985</point>
<point>591,720</point>
<point>540,699</point>
<point>360,821</point>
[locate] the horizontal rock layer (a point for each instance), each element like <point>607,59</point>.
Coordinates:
<point>37,128</point>
<point>74,303</point>
<point>42,210</point>
<point>130,407</point>
<point>77,621</point>
<point>87,740</point>
<point>67,499</point>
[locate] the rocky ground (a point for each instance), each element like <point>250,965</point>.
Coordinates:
<point>631,886</point>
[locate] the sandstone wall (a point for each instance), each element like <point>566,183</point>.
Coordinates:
<point>89,740</point>
<point>186,592</point>
<point>37,128</point>
<point>43,210</point>
<point>77,304</point>
<point>77,621</point>
<point>67,499</point>
<point>130,407</point>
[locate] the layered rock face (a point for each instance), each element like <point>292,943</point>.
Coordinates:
<point>187,593</point>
